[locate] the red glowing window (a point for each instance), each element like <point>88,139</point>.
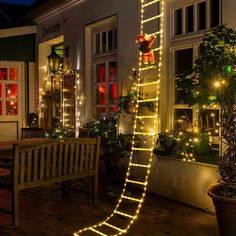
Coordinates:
<point>3,73</point>
<point>11,108</point>
<point>112,93</point>
<point>11,90</point>
<point>13,74</point>
<point>0,90</point>
<point>100,68</point>
<point>112,71</point>
<point>101,94</point>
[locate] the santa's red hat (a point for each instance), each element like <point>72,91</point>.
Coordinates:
<point>141,37</point>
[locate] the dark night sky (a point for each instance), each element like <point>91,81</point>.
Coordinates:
<point>21,2</point>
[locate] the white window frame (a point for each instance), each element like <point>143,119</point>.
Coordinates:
<point>92,58</point>
<point>174,105</point>
<point>195,121</point>
<point>183,6</point>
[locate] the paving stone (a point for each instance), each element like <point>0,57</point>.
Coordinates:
<point>43,212</point>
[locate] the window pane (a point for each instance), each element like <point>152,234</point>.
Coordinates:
<point>100,73</point>
<point>178,21</point>
<point>208,120</point>
<point>0,108</point>
<point>101,94</point>
<point>110,40</point>
<point>0,90</point>
<point>104,41</point>
<point>183,61</point>
<point>11,90</point>
<point>11,108</point>
<point>183,119</point>
<point>98,43</point>
<point>189,19</point>
<point>112,93</point>
<point>112,71</point>
<point>215,12</point>
<point>13,74</point>
<point>3,73</point>
<point>201,9</point>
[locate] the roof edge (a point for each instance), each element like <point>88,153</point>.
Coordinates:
<point>17,31</point>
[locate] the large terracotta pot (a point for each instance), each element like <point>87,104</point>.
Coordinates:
<point>225,211</point>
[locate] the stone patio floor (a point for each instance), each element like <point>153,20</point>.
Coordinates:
<point>43,212</point>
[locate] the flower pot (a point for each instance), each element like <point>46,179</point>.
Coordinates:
<point>225,211</point>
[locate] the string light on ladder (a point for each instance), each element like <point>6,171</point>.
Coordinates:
<point>151,134</point>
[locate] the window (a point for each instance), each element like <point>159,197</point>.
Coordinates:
<point>215,12</point>
<point>105,63</point>
<point>208,120</point>
<point>183,119</point>
<point>183,65</point>
<point>183,116</point>
<point>9,90</point>
<point>105,41</point>
<point>178,21</point>
<point>201,11</point>
<point>189,19</point>
<point>106,89</point>
<point>184,17</point>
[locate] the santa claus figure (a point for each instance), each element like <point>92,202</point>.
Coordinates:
<point>145,41</point>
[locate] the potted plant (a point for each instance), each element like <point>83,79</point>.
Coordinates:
<point>213,81</point>
<point>166,143</point>
<point>112,143</point>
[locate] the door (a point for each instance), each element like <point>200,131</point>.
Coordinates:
<point>12,99</point>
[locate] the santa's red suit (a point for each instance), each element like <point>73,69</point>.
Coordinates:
<point>145,43</point>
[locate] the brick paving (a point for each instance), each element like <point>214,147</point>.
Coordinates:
<point>43,212</point>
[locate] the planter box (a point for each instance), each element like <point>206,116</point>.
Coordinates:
<point>185,182</point>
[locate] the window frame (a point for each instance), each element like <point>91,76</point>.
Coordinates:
<point>106,57</point>
<point>195,115</point>
<point>184,6</point>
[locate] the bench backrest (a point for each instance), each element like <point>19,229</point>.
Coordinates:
<point>55,161</point>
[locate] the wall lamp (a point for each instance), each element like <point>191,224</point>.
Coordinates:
<point>54,59</point>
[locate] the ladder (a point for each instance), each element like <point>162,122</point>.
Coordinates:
<point>145,126</point>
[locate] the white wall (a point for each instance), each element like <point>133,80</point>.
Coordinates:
<point>72,26</point>
<point>183,181</point>
<point>228,13</point>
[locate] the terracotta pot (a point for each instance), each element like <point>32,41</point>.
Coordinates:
<point>225,211</point>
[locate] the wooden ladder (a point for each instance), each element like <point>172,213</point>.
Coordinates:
<point>145,126</point>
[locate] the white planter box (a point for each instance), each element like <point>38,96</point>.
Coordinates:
<point>186,182</point>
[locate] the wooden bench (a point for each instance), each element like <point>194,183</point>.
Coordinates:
<point>52,162</point>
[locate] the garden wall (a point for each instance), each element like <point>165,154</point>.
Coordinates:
<point>185,182</point>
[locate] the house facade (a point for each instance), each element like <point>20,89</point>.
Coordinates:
<point>100,38</point>
<point>95,40</point>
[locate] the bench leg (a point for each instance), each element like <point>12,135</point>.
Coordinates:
<point>15,207</point>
